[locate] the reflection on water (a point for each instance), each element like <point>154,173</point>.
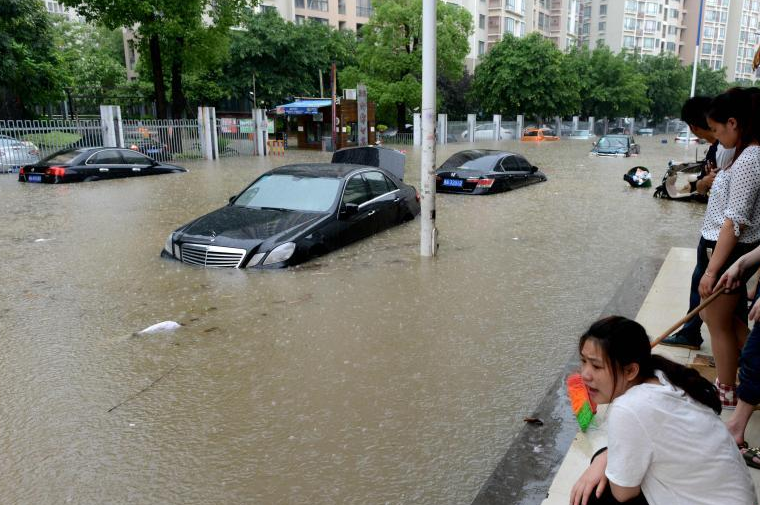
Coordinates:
<point>369,375</point>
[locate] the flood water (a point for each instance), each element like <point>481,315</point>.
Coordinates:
<point>367,376</point>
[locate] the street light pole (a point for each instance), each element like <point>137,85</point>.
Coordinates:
<point>427,169</point>
<point>694,66</point>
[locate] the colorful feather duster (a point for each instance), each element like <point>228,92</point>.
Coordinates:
<point>583,407</point>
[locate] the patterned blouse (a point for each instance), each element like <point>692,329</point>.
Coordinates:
<point>733,195</point>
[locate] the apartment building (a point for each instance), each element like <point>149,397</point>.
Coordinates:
<point>56,8</point>
<point>730,36</point>
<point>647,27</point>
<point>340,14</point>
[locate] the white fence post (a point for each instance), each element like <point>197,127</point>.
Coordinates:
<point>417,129</point>
<point>207,133</point>
<point>111,126</point>
<point>443,128</point>
<point>591,125</point>
<point>558,123</point>
<point>575,123</point>
<point>520,122</point>
<point>497,126</point>
<point>262,132</point>
<point>471,127</point>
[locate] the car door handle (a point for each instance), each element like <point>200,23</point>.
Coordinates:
<point>136,169</point>
<point>101,169</point>
<point>396,200</point>
<point>371,213</point>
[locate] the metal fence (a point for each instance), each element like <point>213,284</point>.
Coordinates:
<point>405,139</point>
<point>26,142</point>
<point>235,137</point>
<point>163,139</point>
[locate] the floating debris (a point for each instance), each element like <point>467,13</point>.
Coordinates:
<point>161,327</point>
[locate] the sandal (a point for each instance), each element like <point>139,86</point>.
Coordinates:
<point>751,455</point>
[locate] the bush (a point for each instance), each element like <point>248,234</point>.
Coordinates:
<point>53,139</point>
<point>381,128</point>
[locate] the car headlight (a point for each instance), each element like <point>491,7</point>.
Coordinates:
<point>281,253</point>
<point>169,244</point>
<point>255,260</point>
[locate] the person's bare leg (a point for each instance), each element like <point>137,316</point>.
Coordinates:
<point>719,316</point>
<point>737,423</point>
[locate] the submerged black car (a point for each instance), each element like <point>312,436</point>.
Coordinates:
<point>481,171</point>
<point>293,213</point>
<point>616,145</point>
<point>92,164</point>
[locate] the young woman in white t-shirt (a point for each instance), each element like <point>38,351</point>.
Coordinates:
<point>731,228</point>
<point>666,442</point>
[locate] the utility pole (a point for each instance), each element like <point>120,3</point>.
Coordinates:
<point>694,67</point>
<point>334,108</point>
<point>428,232</point>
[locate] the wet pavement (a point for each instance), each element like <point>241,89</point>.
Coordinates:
<point>369,375</point>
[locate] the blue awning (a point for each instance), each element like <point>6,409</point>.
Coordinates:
<point>303,107</point>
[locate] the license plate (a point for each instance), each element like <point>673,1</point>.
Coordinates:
<point>454,183</point>
<point>34,178</point>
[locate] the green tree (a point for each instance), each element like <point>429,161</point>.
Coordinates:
<point>28,59</point>
<point>615,86</point>
<point>455,96</point>
<point>390,53</point>
<point>171,34</point>
<point>526,75</point>
<point>286,58</point>
<point>709,82</point>
<point>92,61</point>
<point>667,83</point>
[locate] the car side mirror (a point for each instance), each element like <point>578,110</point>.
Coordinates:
<point>533,169</point>
<point>232,198</point>
<point>349,209</point>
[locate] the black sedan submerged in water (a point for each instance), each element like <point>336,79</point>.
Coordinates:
<point>481,171</point>
<point>293,213</point>
<point>92,164</point>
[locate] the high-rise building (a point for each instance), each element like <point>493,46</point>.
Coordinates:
<point>647,27</point>
<point>730,36</point>
<point>54,7</point>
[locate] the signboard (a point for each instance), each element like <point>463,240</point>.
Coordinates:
<point>270,127</point>
<point>247,126</point>
<point>361,110</point>
<point>229,125</point>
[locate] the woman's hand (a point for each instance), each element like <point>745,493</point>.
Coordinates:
<point>706,285</point>
<point>754,313</point>
<point>732,279</point>
<point>592,479</point>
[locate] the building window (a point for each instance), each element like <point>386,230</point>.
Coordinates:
<point>603,10</point>
<point>650,26</point>
<point>587,11</point>
<point>481,47</point>
<point>586,28</point>
<point>300,20</point>
<point>482,22</point>
<point>322,21</point>
<point>509,26</point>
<point>602,26</point>
<point>364,9</point>
<point>341,6</point>
<point>511,5</point>
<point>629,23</point>
<point>301,4</point>
<point>629,42</point>
<point>671,47</point>
<point>653,8</point>
<point>630,6</point>
<point>707,48</point>
<point>648,43</point>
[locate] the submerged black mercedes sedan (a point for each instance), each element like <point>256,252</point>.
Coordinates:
<point>91,164</point>
<point>482,171</point>
<point>293,213</point>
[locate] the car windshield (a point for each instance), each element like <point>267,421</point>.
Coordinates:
<point>579,133</point>
<point>613,142</point>
<point>62,158</point>
<point>281,191</point>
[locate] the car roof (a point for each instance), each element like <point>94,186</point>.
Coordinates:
<point>617,136</point>
<point>337,170</point>
<point>471,154</point>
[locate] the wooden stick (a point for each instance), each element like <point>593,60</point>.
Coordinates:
<point>707,301</point>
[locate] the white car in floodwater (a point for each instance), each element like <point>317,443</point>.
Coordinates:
<point>686,134</point>
<point>15,153</point>
<point>580,135</point>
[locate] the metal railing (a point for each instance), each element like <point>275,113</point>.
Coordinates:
<point>26,142</point>
<point>163,139</point>
<point>235,136</point>
<point>406,139</point>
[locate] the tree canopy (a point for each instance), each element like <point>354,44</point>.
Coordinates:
<point>286,58</point>
<point>525,75</point>
<point>171,34</point>
<point>29,61</point>
<point>389,56</point>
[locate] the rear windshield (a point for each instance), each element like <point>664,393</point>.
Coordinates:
<point>62,158</point>
<point>306,194</point>
<point>613,142</point>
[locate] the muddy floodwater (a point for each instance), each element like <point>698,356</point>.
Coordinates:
<point>367,376</point>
